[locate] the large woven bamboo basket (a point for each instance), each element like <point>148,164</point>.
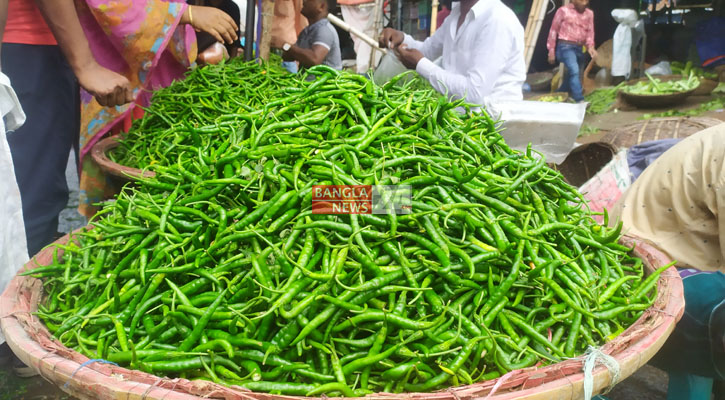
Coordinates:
<point>99,153</point>
<point>657,129</point>
<point>93,379</point>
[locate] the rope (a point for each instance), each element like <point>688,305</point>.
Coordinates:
<point>85,364</point>
<point>500,382</point>
<point>593,355</point>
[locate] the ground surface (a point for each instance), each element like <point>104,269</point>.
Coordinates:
<point>648,383</point>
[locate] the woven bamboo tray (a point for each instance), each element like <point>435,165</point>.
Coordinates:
<point>99,153</point>
<point>656,129</point>
<point>90,379</point>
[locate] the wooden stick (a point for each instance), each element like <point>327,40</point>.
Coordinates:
<point>267,20</point>
<point>347,28</point>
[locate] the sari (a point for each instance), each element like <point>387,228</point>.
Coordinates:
<point>142,40</point>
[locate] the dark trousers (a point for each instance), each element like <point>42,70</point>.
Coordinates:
<point>694,354</point>
<point>50,97</point>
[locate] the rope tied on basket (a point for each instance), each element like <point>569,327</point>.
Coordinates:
<point>592,356</point>
<point>85,364</point>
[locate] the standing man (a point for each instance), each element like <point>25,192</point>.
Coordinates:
<point>360,14</point>
<point>318,43</point>
<point>481,44</point>
<point>571,36</point>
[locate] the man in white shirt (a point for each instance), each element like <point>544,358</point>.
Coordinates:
<point>481,44</point>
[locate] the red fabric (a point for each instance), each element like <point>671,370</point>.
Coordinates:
<point>573,26</point>
<point>26,25</point>
<point>442,14</point>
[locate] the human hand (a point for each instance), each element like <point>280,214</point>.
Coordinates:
<point>109,88</point>
<point>390,38</point>
<point>409,57</point>
<point>213,55</point>
<point>552,59</point>
<point>212,21</point>
<point>593,53</point>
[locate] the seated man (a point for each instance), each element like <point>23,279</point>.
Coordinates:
<point>481,44</point>
<point>676,204</point>
<point>318,43</point>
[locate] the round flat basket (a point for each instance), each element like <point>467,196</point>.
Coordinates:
<point>656,100</point>
<point>99,153</point>
<point>556,97</point>
<point>97,379</point>
<point>706,87</point>
<point>656,129</point>
<point>585,161</point>
<point>540,80</point>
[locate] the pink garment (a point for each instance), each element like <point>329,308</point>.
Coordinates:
<point>442,14</point>
<point>142,40</point>
<point>573,26</point>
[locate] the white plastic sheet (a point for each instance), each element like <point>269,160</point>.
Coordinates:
<point>661,68</point>
<point>551,128</point>
<point>622,42</point>
<point>13,247</point>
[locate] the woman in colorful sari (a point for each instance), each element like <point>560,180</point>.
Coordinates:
<point>117,51</point>
<point>152,43</point>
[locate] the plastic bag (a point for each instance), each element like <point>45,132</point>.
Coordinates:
<point>551,128</point>
<point>622,42</point>
<point>13,247</point>
<point>661,68</point>
<point>389,67</point>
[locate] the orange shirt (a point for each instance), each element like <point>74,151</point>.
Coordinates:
<point>26,25</point>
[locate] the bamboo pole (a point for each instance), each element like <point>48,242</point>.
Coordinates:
<point>533,28</point>
<point>267,21</point>
<point>433,17</point>
<point>378,28</point>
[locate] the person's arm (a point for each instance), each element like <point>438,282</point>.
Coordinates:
<point>322,41</point>
<point>554,34</point>
<point>212,21</point>
<point>478,83</point>
<point>108,87</point>
<point>431,48</point>
<point>591,46</point>
<point>307,57</point>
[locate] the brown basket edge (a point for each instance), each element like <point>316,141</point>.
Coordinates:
<point>150,383</point>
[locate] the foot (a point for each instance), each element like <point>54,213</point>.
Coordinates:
<point>21,370</point>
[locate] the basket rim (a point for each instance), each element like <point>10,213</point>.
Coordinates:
<point>667,309</point>
<point>99,153</point>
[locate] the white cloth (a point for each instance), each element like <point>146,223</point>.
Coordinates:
<point>13,247</point>
<point>622,42</point>
<point>483,61</point>
<point>362,17</point>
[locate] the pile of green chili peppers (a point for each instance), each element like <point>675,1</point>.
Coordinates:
<point>217,269</point>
